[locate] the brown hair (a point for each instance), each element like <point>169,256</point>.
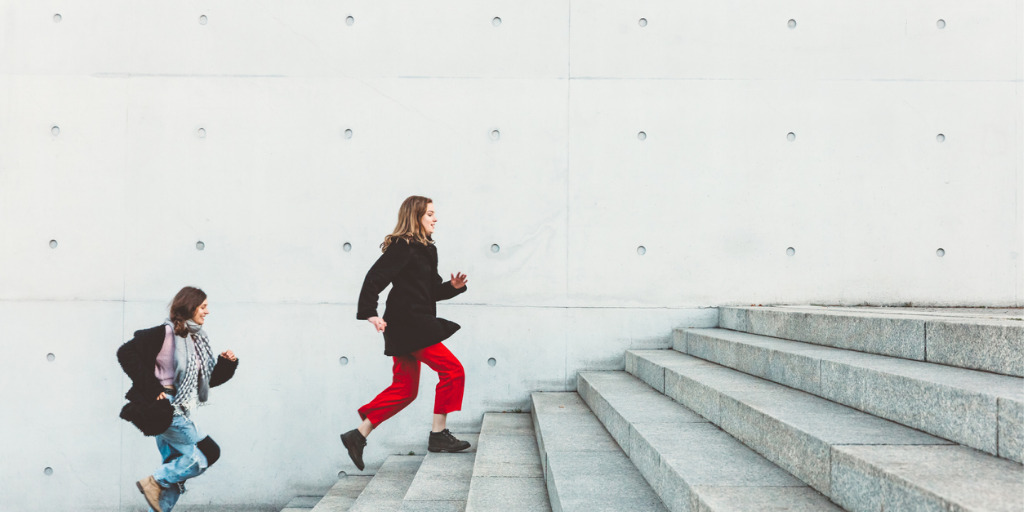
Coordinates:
<point>409,227</point>
<point>184,307</point>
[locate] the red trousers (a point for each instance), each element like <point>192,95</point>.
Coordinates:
<point>406,383</point>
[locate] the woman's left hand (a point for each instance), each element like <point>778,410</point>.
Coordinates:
<point>229,355</point>
<point>459,280</point>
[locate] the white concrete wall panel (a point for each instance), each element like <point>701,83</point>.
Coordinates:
<point>716,192</point>
<point>276,133</point>
<point>62,179</point>
<point>739,39</point>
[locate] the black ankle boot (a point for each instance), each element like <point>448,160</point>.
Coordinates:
<point>444,441</point>
<point>354,442</point>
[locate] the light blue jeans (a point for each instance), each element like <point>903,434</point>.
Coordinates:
<point>182,459</point>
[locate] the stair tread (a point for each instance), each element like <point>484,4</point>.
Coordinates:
<point>342,495</point>
<point>442,481</point>
<point>387,488</point>
<point>507,473</point>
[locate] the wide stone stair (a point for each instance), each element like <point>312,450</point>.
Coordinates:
<point>745,419</point>
<point>780,408</point>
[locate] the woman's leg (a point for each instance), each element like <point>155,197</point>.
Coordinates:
<point>447,395</point>
<point>181,438</point>
<point>405,383</point>
<point>452,384</point>
<point>182,460</point>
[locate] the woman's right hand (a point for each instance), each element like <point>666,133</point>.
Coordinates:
<point>161,396</point>
<point>378,323</point>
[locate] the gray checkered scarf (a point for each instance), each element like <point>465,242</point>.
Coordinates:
<point>198,368</point>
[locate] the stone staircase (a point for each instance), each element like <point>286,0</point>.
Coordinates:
<point>799,409</point>
<point>501,471</point>
<point>781,408</point>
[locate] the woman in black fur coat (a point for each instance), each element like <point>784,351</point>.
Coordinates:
<point>172,368</point>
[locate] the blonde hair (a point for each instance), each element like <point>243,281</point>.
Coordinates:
<point>409,227</point>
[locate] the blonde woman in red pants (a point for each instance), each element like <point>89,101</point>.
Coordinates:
<point>412,331</point>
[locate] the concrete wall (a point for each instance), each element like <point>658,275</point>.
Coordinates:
<point>275,133</point>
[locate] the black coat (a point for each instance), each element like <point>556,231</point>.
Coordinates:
<point>411,313</point>
<point>138,359</point>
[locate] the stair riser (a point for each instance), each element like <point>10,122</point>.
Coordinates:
<point>1011,430</point>
<point>949,412</point>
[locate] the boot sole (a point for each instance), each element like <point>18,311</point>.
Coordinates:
<point>448,451</point>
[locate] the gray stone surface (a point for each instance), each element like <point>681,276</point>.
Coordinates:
<point>942,409</point>
<point>898,336</point>
<point>788,427</point>
<point>649,365</point>
<point>1011,429</point>
<point>443,477</point>
<point>929,478</point>
<point>732,318</point>
<point>761,499</point>
<point>507,473</point>
<point>343,495</point>
<point>508,456</point>
<point>795,365</point>
<point>434,506</point>
<point>594,475</point>
<point>387,489</point>
<point>679,453</point>
<point>564,423</point>
<point>990,345</point>
<point>598,482</point>
<point>508,494</point>
<point>507,424</point>
<point>953,403</point>
<point>303,502</point>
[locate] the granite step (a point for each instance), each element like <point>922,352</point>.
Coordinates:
<point>861,462</point>
<point>992,342</point>
<point>978,409</point>
<point>442,482</point>
<point>692,464</point>
<point>387,488</point>
<point>343,495</point>
<point>507,472</point>
<point>302,504</point>
<point>585,470</point>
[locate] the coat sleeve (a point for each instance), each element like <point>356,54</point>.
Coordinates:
<point>380,276</point>
<point>223,371</point>
<point>443,290</point>
<point>133,356</point>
